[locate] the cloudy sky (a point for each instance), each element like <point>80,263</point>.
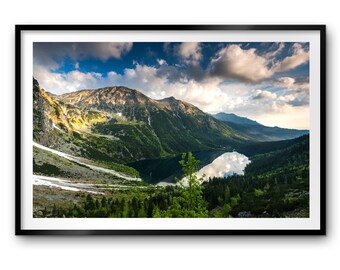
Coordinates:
<point>267,82</point>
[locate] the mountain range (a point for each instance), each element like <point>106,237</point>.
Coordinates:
<point>118,124</point>
<point>254,129</point>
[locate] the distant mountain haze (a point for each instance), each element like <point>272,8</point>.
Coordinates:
<point>254,129</point>
<point>231,117</point>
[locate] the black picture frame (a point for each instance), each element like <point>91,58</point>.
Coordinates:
<point>19,29</point>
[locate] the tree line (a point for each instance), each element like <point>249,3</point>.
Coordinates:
<point>275,184</point>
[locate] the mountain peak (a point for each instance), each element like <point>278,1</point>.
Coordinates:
<point>170,99</point>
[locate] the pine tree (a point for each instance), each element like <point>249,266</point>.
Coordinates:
<point>188,202</point>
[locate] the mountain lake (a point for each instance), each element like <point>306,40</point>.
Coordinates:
<point>212,164</point>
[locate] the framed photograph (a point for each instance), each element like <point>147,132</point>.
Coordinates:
<point>170,129</point>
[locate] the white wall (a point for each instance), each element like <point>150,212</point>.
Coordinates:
<point>166,252</point>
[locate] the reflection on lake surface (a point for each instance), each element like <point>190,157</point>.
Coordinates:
<point>212,163</point>
<point>225,165</point>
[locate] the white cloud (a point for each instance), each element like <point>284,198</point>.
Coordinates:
<point>287,82</point>
<point>263,94</point>
<point>143,78</point>
<point>295,87</point>
<point>190,52</point>
<point>49,54</point>
<point>205,94</point>
<point>287,98</point>
<point>299,57</point>
<point>100,50</point>
<point>245,65</point>
<point>294,84</point>
<point>233,62</point>
<point>279,49</point>
<point>76,65</point>
<point>161,62</point>
<point>272,109</point>
<point>59,83</point>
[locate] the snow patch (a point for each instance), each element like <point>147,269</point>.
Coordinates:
<point>128,151</point>
<point>56,127</point>
<point>54,182</point>
<point>93,167</point>
<point>165,184</point>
